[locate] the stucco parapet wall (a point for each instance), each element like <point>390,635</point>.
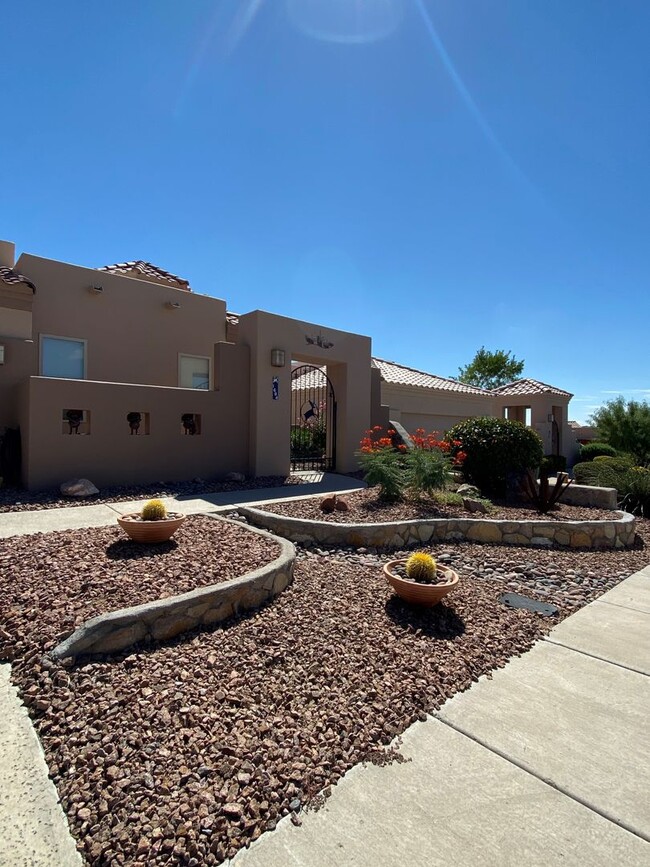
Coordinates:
<point>618,532</point>
<point>166,618</point>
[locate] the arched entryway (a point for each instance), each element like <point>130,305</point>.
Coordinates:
<point>313,419</point>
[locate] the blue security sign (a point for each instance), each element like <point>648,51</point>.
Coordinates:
<point>276,388</point>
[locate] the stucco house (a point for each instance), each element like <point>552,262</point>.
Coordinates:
<point>124,374</point>
<point>435,403</point>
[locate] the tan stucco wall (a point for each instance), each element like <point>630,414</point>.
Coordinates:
<point>109,455</point>
<point>132,335</point>
<point>348,366</point>
<point>432,410</point>
<point>541,406</point>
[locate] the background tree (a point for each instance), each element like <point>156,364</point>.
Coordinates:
<point>626,426</point>
<point>491,369</point>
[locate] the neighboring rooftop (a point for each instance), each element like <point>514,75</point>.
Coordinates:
<point>147,271</point>
<point>530,386</point>
<point>398,374</point>
<point>11,277</point>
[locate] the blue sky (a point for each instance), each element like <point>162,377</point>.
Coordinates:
<point>437,174</point>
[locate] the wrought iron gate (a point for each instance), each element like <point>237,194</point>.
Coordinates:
<point>313,419</point>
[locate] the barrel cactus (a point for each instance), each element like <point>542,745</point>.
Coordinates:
<point>421,567</point>
<point>154,510</point>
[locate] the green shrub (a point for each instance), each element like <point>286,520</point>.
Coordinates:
<point>636,491</point>
<point>586,473</point>
<point>621,463</point>
<point>383,467</point>
<point>625,425</point>
<point>589,451</point>
<point>425,471</point>
<point>553,464</point>
<point>494,448</point>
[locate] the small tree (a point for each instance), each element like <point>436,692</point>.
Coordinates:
<point>491,369</point>
<point>625,426</point>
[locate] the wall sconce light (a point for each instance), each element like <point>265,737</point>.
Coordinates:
<point>2,354</point>
<point>95,290</point>
<point>277,357</point>
<point>550,417</point>
<point>172,305</point>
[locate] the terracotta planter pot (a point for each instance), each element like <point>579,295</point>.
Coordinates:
<point>416,593</point>
<point>151,531</point>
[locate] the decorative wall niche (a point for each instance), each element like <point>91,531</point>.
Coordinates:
<point>191,423</point>
<point>75,422</point>
<point>138,423</point>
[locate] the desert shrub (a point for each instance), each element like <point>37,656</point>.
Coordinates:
<point>626,427</point>
<point>636,491</point>
<point>384,469</point>
<point>589,451</point>
<point>494,448</point>
<point>425,471</point>
<point>396,469</point>
<point>553,464</point>
<point>632,484</point>
<point>621,463</point>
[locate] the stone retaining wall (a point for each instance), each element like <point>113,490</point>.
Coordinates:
<point>618,532</point>
<point>166,618</point>
<point>588,495</point>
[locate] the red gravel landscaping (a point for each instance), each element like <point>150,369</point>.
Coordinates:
<point>366,507</point>
<point>182,753</point>
<point>61,579</point>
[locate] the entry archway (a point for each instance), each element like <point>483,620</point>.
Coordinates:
<point>313,419</point>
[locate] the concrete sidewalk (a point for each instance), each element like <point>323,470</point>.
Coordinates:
<point>104,514</point>
<point>546,763</point>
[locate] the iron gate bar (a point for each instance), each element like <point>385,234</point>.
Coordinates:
<point>313,419</point>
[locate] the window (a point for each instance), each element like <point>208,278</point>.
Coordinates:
<point>64,357</point>
<point>194,371</point>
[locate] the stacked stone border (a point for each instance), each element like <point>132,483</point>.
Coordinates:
<point>619,532</point>
<point>166,618</point>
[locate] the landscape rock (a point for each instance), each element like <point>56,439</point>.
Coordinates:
<point>235,477</point>
<point>78,488</point>
<point>468,491</point>
<point>474,505</point>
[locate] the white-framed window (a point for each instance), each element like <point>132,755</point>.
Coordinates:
<point>194,372</point>
<point>64,357</point>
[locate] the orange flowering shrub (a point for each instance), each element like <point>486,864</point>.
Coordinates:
<point>395,468</point>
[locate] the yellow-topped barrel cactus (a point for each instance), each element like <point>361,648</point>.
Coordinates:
<point>154,510</point>
<point>421,567</point>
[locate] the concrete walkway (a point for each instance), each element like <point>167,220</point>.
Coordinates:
<point>103,515</point>
<point>546,763</point>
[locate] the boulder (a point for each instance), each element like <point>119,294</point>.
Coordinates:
<point>468,491</point>
<point>474,505</point>
<point>328,504</point>
<point>341,505</point>
<point>78,488</point>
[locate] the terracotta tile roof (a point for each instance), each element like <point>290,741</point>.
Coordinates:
<point>148,271</point>
<point>529,386</point>
<point>398,374</point>
<point>9,276</point>
<point>232,318</point>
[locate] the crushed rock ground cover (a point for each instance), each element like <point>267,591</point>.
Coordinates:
<point>14,499</point>
<point>61,579</point>
<point>183,753</point>
<point>365,506</point>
